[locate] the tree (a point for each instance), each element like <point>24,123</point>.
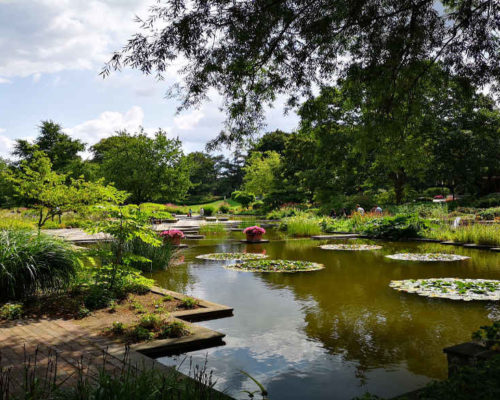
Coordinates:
<point>288,47</point>
<point>61,149</point>
<point>6,186</point>
<point>272,141</point>
<point>202,174</point>
<point>50,195</point>
<point>230,173</point>
<point>261,172</point>
<point>151,169</point>
<point>245,198</point>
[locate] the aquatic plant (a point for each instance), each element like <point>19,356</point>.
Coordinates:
<point>301,225</point>
<point>428,257</point>
<point>451,288</point>
<point>212,229</point>
<point>350,247</point>
<point>276,266</point>
<point>231,256</point>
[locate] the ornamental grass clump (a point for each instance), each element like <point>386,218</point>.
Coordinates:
<point>31,263</point>
<point>301,225</point>
<point>212,229</point>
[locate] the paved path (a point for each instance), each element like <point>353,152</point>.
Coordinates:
<point>23,341</point>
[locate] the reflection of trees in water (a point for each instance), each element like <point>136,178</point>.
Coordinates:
<point>176,277</point>
<point>356,314</point>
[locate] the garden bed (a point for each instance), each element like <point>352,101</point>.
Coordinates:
<point>350,247</point>
<point>231,256</point>
<point>427,257</point>
<point>280,266</point>
<point>451,288</point>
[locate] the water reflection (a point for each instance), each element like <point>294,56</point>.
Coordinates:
<point>334,333</point>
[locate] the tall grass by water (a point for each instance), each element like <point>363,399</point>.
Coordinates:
<point>213,229</point>
<point>301,225</point>
<point>31,263</point>
<point>475,233</point>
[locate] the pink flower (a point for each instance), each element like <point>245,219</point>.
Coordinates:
<point>254,230</point>
<point>172,233</point>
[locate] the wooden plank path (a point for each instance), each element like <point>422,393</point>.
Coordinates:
<point>75,348</point>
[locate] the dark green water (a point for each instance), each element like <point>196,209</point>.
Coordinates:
<point>334,333</point>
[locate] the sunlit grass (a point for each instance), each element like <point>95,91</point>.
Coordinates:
<point>302,225</point>
<point>476,233</point>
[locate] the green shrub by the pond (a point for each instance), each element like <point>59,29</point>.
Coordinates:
<point>10,311</point>
<point>30,263</point>
<point>397,227</point>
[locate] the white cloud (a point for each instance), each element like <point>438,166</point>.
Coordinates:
<point>6,145</point>
<point>3,80</point>
<point>47,36</point>
<point>37,76</point>
<point>187,122</point>
<point>107,124</point>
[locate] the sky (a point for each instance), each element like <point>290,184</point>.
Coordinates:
<point>51,53</point>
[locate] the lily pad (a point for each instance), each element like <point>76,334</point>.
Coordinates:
<point>427,257</point>
<point>276,266</point>
<point>350,247</point>
<point>451,288</point>
<point>231,256</point>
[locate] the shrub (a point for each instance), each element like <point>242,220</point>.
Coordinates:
<point>118,328</point>
<point>97,297</point>
<point>209,210</point>
<point>151,322</point>
<point>254,230</point>
<point>174,329</point>
<point>283,212</point>
<point>189,302</point>
<point>224,208</point>
<point>11,311</point>
<point>159,256</point>
<point>31,263</point>
<point>245,198</point>
<point>139,334</point>
<point>397,227</point>
<point>258,205</point>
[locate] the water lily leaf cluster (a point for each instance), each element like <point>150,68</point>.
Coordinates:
<point>428,257</point>
<point>451,288</point>
<point>231,256</point>
<point>350,247</point>
<point>276,266</point>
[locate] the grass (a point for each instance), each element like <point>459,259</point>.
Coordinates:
<point>44,380</point>
<point>301,225</point>
<point>31,263</point>
<point>475,233</point>
<point>212,229</point>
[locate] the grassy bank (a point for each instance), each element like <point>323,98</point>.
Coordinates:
<point>476,233</point>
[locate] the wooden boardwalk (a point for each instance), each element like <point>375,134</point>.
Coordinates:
<point>74,347</point>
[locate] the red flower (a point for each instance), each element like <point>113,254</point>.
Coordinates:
<point>254,230</point>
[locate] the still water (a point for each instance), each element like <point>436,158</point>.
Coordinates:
<point>330,334</point>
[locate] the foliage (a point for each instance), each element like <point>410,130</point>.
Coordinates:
<point>212,229</point>
<point>209,211</point>
<point>100,379</point>
<point>283,212</point>
<point>245,198</point>
<point>37,182</point>
<point>396,227</point>
<point>189,302</point>
<point>58,146</point>
<point>124,224</point>
<point>489,335</point>
<point>158,256</point>
<point>261,172</point>
<point>470,382</point>
<point>224,208</point>
<point>318,41</point>
<point>31,263</point>
<point>276,266</point>
<point>151,169</point>
<point>301,225</point>
<point>11,311</point>
<point>475,233</point>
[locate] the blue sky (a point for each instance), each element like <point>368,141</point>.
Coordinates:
<point>51,54</point>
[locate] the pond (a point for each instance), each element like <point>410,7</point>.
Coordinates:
<point>334,333</point>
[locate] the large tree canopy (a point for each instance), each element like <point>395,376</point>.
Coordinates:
<point>253,50</point>
<point>151,169</point>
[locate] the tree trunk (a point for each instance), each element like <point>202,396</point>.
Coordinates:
<point>399,179</point>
